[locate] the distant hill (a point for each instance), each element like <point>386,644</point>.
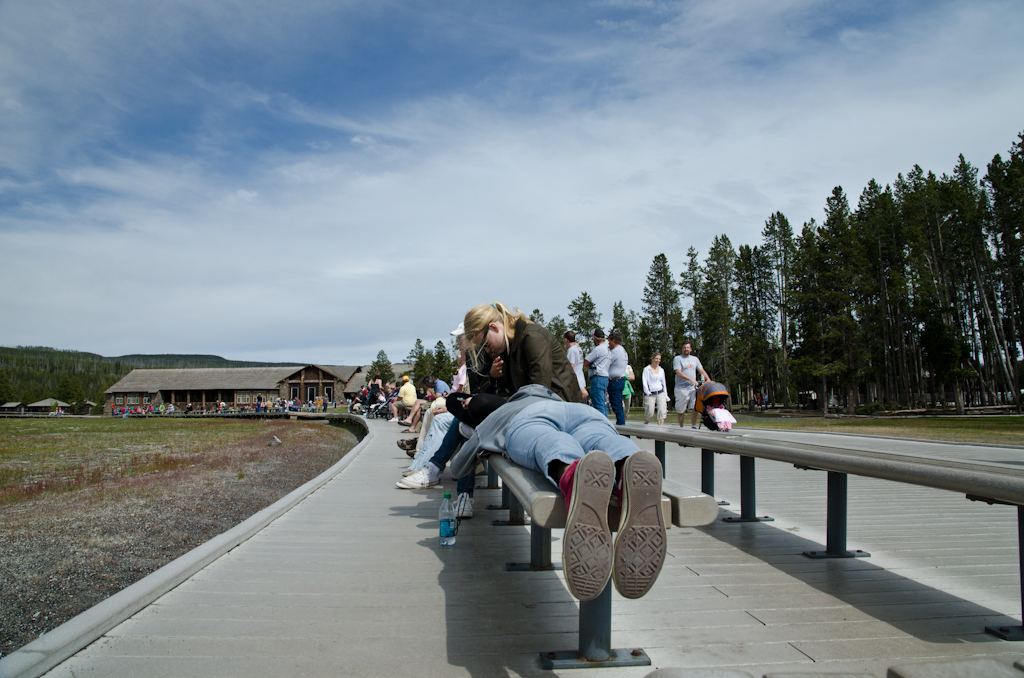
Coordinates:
<point>31,373</point>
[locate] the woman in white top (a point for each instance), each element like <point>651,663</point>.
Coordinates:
<point>655,391</point>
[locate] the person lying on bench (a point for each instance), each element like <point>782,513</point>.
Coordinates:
<point>582,454</point>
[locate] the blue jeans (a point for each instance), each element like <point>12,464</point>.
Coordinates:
<point>599,394</point>
<point>450,443</point>
<point>439,426</point>
<point>548,431</point>
<point>615,387</point>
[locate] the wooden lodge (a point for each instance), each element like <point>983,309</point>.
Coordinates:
<point>237,387</point>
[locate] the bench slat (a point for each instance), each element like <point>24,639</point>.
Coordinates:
<point>690,508</point>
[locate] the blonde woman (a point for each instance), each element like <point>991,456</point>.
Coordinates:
<point>521,351</point>
<point>655,391</point>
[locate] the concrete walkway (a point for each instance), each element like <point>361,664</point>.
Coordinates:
<point>352,582</point>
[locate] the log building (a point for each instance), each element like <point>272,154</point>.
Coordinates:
<point>238,387</point>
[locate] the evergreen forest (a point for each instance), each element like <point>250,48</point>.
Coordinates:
<point>913,296</point>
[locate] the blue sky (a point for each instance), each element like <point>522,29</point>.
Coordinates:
<point>315,181</point>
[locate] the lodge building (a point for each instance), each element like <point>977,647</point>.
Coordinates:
<point>238,387</point>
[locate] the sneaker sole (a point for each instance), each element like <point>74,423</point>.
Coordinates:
<point>587,542</point>
<point>641,543</point>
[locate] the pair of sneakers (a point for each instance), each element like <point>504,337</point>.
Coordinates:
<point>422,478</point>
<point>589,557</point>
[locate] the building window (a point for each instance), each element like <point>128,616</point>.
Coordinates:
<point>119,400</point>
<point>242,397</point>
<point>329,393</point>
<point>295,392</point>
<point>310,393</point>
<point>133,400</point>
<point>145,399</point>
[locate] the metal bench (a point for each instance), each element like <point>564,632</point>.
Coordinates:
<point>525,491</point>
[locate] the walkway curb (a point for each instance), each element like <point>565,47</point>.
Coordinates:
<point>54,647</point>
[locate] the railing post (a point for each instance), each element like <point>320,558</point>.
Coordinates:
<point>1014,632</point>
<point>707,472</point>
<point>540,552</point>
<point>835,538</point>
<point>748,495</point>
<point>659,452</point>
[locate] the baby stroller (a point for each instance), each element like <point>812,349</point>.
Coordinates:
<point>711,400</point>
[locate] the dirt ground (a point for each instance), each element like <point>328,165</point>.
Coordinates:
<point>62,553</point>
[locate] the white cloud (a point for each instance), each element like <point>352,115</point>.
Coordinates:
<point>566,175</point>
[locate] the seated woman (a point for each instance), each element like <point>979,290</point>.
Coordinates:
<point>582,454</point>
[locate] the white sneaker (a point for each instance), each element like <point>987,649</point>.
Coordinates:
<point>464,506</point>
<point>392,419</point>
<point>466,430</point>
<point>420,480</point>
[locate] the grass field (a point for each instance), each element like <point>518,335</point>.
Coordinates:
<point>1001,430</point>
<point>47,456</point>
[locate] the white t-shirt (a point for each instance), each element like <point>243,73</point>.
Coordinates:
<point>575,356</point>
<point>689,365</point>
<point>618,360</point>
<point>599,359</point>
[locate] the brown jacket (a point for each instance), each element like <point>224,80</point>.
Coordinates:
<point>537,357</point>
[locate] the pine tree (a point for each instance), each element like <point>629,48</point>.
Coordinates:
<point>692,279</point>
<point>778,244</point>
<point>6,389</point>
<point>443,366</point>
<point>557,327</point>
<point>584,319</point>
<point>537,317</point>
<point>381,364</point>
<point>623,322</point>
<point>714,311</point>
<point>661,303</point>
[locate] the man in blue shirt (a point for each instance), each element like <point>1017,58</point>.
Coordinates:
<point>618,362</point>
<point>597,360</point>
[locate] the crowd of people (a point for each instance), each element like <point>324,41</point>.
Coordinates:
<point>522,392</point>
<point>318,404</point>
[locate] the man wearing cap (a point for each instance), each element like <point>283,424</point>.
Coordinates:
<point>597,360</point>
<point>406,399</point>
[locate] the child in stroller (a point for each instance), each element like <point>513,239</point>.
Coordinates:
<point>711,399</point>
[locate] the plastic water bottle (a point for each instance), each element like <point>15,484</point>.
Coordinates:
<point>447,517</point>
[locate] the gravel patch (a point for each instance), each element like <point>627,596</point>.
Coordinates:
<point>61,555</point>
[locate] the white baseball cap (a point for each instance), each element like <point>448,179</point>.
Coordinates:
<point>461,329</point>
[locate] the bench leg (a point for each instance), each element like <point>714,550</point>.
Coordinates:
<point>492,478</point>
<point>516,515</point>
<point>595,641</point>
<point>540,553</point>
<point>1014,632</point>
<point>748,495</point>
<point>707,474</point>
<point>835,541</point>
<point>504,501</point>
<point>659,452</point>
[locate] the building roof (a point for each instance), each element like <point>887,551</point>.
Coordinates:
<point>358,380</point>
<point>345,372</point>
<point>197,379</point>
<point>50,402</point>
<point>8,406</point>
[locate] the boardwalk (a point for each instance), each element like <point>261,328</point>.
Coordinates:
<point>352,582</point>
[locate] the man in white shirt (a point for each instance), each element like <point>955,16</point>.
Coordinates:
<point>618,362</point>
<point>686,367</point>
<point>597,360</point>
<point>575,355</point>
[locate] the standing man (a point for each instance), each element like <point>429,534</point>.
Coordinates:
<point>686,367</point>
<point>575,355</point>
<point>618,361</point>
<point>597,360</point>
